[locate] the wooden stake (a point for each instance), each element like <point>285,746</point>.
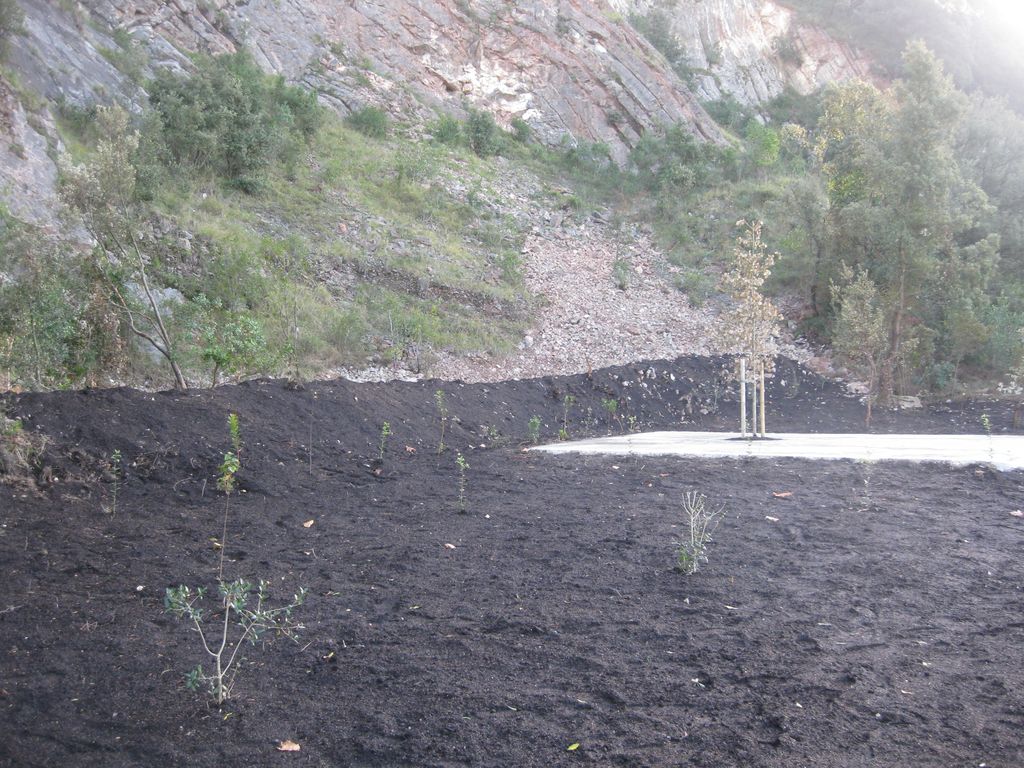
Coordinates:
<point>743,396</point>
<point>753,406</point>
<point>762,401</point>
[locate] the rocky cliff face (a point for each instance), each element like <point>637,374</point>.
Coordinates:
<point>574,70</point>
<point>752,49</point>
<point>563,67</point>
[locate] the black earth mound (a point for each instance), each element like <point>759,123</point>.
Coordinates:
<point>870,614</point>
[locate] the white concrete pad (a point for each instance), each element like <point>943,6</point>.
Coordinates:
<point>1003,451</point>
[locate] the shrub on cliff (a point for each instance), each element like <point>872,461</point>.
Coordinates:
<point>232,120</point>
<point>369,121</point>
<point>482,133</point>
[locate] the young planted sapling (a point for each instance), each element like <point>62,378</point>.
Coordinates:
<point>385,433</point>
<point>700,523</point>
<point>463,465</point>
<point>533,429</point>
<point>442,412</point>
<point>115,485</point>
<point>241,603</point>
<point>567,401</point>
<point>254,621</point>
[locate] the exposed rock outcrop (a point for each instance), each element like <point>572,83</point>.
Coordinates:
<point>753,49</point>
<point>573,70</point>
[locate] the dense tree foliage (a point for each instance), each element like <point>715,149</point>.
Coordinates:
<point>902,209</point>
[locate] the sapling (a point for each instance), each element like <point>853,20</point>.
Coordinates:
<point>611,405</point>
<point>567,401</point>
<point>254,622</point>
<point>385,433</point>
<point>701,522</point>
<point>115,470</point>
<point>236,435</point>
<point>442,412</point>
<point>986,424</point>
<point>463,465</point>
<point>867,467</point>
<point>226,481</point>
<point>533,429</point>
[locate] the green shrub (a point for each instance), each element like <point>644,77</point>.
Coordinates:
<point>675,161</point>
<point>521,131</point>
<point>446,130</point>
<point>483,134</point>
<point>231,119</point>
<point>533,429</point>
<point>620,274</point>
<point>52,333</point>
<point>728,112</point>
<point>697,285</point>
<point>369,121</point>
<point>227,340</point>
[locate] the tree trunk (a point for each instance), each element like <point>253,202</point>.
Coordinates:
<point>763,430</point>
<point>179,380</point>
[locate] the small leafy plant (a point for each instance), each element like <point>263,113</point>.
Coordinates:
<point>701,521</point>
<point>255,621</point>
<point>385,433</point>
<point>463,465</point>
<point>533,429</point>
<point>986,424</point>
<point>236,435</point>
<point>442,412</point>
<point>620,274</point>
<point>611,406</point>
<point>226,482</point>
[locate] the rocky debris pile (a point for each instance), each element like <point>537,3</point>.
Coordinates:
<point>587,319</point>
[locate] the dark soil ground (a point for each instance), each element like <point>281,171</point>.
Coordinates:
<point>875,617</point>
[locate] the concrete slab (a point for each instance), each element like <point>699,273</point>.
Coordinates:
<point>1003,451</point>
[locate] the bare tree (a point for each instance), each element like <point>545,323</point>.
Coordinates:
<point>102,192</point>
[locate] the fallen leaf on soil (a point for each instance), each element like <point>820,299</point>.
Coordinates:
<point>771,519</point>
<point>288,746</point>
<point>730,607</point>
<point>573,747</point>
<point>410,449</point>
<point>308,524</point>
<point>1017,513</point>
<point>449,546</point>
<point>782,494</point>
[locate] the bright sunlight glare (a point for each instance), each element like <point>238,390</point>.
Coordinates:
<point>1005,14</point>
